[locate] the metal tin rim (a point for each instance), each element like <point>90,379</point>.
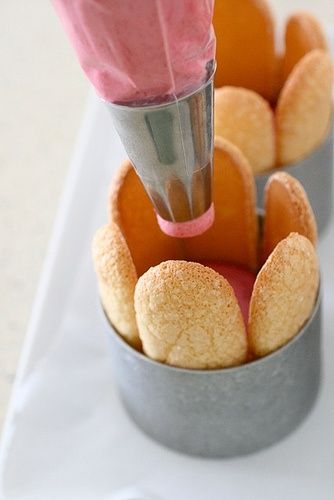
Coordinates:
<point>142,357</point>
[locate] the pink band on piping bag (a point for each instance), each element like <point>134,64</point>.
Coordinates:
<point>189,228</point>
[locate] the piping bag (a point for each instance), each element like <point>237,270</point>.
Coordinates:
<point>152,62</point>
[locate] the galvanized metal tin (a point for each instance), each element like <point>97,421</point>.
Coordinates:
<point>221,413</point>
<point>315,172</point>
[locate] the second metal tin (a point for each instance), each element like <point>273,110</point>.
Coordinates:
<point>221,413</point>
<point>315,172</point>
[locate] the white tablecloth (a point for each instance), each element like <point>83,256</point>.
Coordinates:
<point>67,436</point>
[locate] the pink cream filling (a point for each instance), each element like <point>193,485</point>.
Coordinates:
<point>189,228</point>
<point>137,51</point>
<point>240,279</point>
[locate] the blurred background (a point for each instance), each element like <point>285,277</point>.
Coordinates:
<point>42,101</point>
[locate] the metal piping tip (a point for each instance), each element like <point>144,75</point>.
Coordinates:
<point>171,148</point>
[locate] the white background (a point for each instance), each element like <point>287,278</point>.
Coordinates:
<point>42,99</point>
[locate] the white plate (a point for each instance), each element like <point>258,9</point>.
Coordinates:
<point>67,436</point>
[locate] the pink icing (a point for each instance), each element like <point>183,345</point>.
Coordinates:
<point>137,51</point>
<point>189,228</point>
<point>240,279</point>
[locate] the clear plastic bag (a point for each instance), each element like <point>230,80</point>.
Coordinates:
<point>138,52</point>
<point>152,61</point>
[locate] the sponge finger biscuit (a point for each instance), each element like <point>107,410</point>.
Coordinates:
<point>188,316</point>
<point>284,294</point>
<point>287,210</point>
<point>303,33</point>
<point>233,237</point>
<point>246,119</point>
<point>245,45</point>
<point>117,279</point>
<point>132,210</point>
<point>304,107</point>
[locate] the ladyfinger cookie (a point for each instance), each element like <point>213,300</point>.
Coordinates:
<point>303,33</point>
<point>246,119</point>
<point>287,210</point>
<point>245,45</point>
<point>284,294</point>
<point>188,316</point>
<point>233,237</point>
<point>304,107</point>
<point>131,208</point>
<point>117,278</point>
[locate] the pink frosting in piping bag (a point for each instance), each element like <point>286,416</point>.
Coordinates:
<point>141,51</point>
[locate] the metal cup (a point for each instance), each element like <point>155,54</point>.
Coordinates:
<point>171,148</point>
<point>221,413</point>
<point>315,173</point>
